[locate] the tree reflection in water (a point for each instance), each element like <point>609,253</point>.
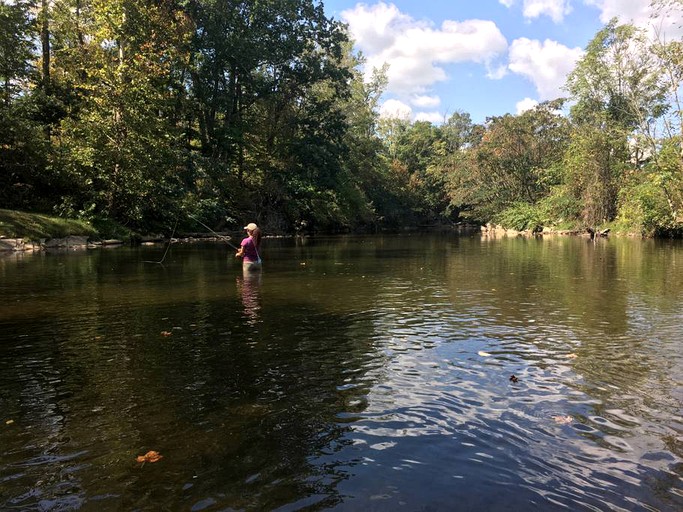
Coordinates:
<point>375,376</point>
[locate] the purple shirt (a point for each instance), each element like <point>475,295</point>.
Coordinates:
<point>250,254</point>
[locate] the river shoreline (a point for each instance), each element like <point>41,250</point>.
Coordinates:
<point>83,242</point>
<point>30,232</point>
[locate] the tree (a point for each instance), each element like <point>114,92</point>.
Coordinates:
<point>618,97</point>
<point>122,150</point>
<point>513,163</point>
<point>594,165</point>
<point>458,132</point>
<point>627,87</point>
<point>261,77</point>
<point>612,82</point>
<point>16,48</point>
<point>22,153</point>
<point>668,64</point>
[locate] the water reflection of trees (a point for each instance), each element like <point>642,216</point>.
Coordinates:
<point>248,414</point>
<point>257,405</point>
<point>589,287</point>
<point>609,304</point>
<point>240,410</point>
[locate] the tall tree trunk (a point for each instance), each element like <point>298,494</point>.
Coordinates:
<point>81,40</point>
<point>45,42</point>
<point>237,120</point>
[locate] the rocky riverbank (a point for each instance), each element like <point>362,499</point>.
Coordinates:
<point>76,242</point>
<point>67,243</point>
<point>492,230</point>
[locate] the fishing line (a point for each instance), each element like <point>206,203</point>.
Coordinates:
<point>225,238</point>
<point>160,262</point>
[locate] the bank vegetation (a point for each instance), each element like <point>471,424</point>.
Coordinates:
<point>148,114</point>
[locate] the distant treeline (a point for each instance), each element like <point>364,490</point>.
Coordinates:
<point>145,112</point>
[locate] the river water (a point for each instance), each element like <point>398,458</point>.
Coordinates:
<point>352,373</point>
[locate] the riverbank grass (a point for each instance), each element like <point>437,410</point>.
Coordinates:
<point>33,226</point>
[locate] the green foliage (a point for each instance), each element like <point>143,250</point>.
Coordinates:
<point>643,208</point>
<point>667,173</point>
<point>520,216</point>
<point>594,164</point>
<point>24,177</point>
<point>514,162</point>
<point>22,151</point>
<point>149,112</point>
<point>458,132</point>
<point>561,207</point>
<point>614,81</point>
<point>16,48</point>
<point>34,226</point>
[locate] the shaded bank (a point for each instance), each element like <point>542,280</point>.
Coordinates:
<point>24,231</point>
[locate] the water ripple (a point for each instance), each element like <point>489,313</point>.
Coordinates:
<point>348,383</point>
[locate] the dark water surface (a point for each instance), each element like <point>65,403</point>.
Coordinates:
<point>359,373</point>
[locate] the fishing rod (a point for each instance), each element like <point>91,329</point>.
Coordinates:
<point>225,238</point>
<point>170,240</point>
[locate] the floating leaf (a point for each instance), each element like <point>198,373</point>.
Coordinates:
<point>166,333</point>
<point>571,356</point>
<point>150,456</point>
<point>9,422</point>
<point>563,420</point>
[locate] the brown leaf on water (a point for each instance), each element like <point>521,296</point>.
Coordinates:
<point>571,356</point>
<point>563,420</point>
<point>166,333</point>
<point>150,456</point>
<point>9,422</point>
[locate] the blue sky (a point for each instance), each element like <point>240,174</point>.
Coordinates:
<point>484,57</point>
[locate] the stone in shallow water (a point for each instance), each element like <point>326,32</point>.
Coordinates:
<point>69,242</point>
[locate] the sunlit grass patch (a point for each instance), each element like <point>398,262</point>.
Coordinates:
<point>16,224</point>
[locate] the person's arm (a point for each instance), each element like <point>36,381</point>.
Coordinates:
<point>240,252</point>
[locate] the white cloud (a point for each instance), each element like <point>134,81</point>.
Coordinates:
<point>395,109</point>
<point>639,13</point>
<point>432,117</point>
<point>496,73</point>
<point>525,104</point>
<point>554,9</point>
<point>416,51</point>
<point>546,64</point>
<point>375,28</point>
<point>426,101</point>
<point>636,11</point>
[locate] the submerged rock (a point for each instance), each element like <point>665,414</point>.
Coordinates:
<point>19,245</point>
<point>69,242</point>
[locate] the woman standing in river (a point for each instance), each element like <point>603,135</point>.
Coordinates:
<point>249,248</point>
